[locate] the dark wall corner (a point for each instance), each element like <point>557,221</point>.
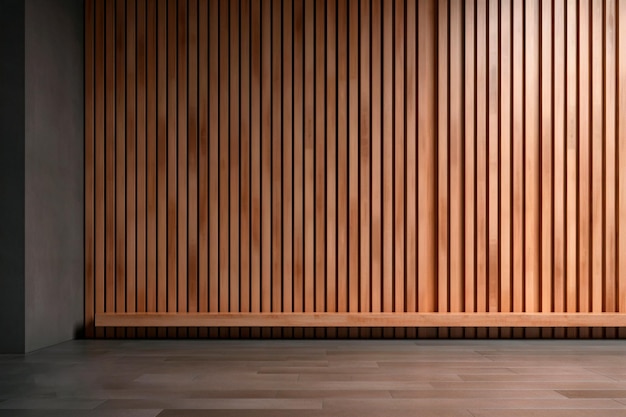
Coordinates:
<point>11,176</point>
<point>54,170</point>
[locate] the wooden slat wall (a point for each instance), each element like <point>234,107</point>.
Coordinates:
<point>355,156</point>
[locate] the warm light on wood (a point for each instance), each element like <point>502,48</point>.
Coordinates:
<point>361,319</point>
<point>298,160</point>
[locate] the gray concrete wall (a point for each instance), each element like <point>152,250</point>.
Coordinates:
<point>54,171</point>
<point>11,176</point>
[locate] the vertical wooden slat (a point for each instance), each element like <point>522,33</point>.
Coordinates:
<point>331,159</point>
<point>131,161</point>
<point>387,155</point>
<point>621,153</point>
<point>560,158</point>
<point>531,157</point>
<point>559,155</point>
<point>245,165</point>
<point>275,120</point>
<point>320,157</point>
<point>518,156</point>
<point>157,160</point>
<point>532,181</point>
<point>442,156</point>
<point>597,151</point>
<point>182,160</point>
<point>426,141</point>
<point>276,155</point>
<point>192,152</point>
<point>120,160</point>
<point>364,156</point>
<point>331,156</point>
<point>172,148</point>
<point>365,280</point>
<point>584,219</point>
<point>309,153</point>
<point>342,157</point>
<point>298,153</point>
<point>493,154</point>
<point>234,158</point>
<point>266,158</point>
<point>411,153</point>
<point>99,149</point>
<point>399,159</point>
<point>584,160</point>
<point>546,156</point>
<point>506,160</point>
<point>214,158</point>
<point>90,236</point>
<point>203,159</point>
<point>470,155</point>
<point>142,208</point>
<point>610,150</point>
<point>255,158</point>
<point>456,156</point>
<point>571,155</point>
<point>224,154</point>
<point>109,169</point>
<point>482,152</point>
<point>376,150</point>
<point>353,155</point>
<point>505,155</point>
<point>287,183</point>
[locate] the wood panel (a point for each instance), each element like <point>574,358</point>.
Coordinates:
<point>345,163</point>
<point>437,320</point>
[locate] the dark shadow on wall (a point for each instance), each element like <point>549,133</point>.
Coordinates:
<point>41,172</point>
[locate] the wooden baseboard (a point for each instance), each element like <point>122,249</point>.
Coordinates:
<point>360,320</point>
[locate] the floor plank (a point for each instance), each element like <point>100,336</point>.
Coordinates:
<point>317,378</point>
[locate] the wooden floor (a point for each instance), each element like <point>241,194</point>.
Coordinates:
<point>309,378</point>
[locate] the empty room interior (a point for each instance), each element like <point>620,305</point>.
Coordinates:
<point>316,208</point>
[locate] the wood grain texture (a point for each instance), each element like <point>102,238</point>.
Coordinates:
<point>327,159</point>
<point>506,223</point>
<point>131,160</point>
<point>571,163</point>
<point>546,146</point>
<point>584,203</point>
<point>298,219</point>
<point>142,207</point>
<point>387,156</point>
<point>320,157</point>
<point>364,157</point>
<point>518,156</point>
<point>532,183</point>
<point>469,72</point>
<point>411,159</point>
<point>376,149</point>
<point>559,156</point>
<point>482,153</point>
<point>456,158</point>
<point>109,158</point>
<point>621,152</point>
<point>203,159</point>
<point>342,156</point>
<point>287,153</point>
<point>426,142</point>
<point>437,319</point>
<point>442,157</point>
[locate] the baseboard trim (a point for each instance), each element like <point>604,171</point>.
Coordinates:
<point>360,319</point>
